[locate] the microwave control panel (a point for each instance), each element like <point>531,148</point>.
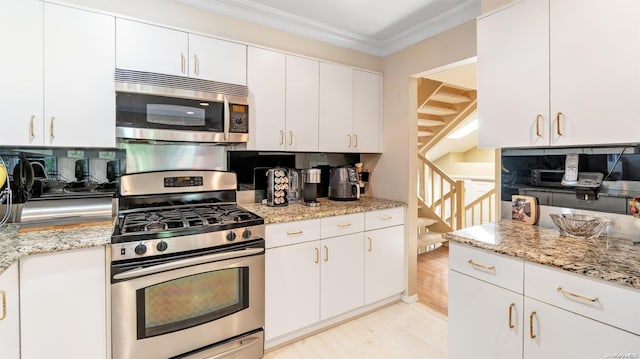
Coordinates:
<point>239,118</point>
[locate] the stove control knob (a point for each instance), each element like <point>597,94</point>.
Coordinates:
<point>246,234</point>
<point>231,236</point>
<point>140,249</point>
<point>162,246</point>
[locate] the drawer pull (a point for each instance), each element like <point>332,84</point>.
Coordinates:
<point>317,255</point>
<point>477,265</point>
<point>370,244</point>
<point>294,233</point>
<point>344,225</point>
<point>577,296</point>
<point>386,218</point>
<point>511,306</point>
<point>326,253</point>
<point>531,335</point>
<point>4,304</point>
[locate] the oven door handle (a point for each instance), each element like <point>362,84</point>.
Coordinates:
<point>187,263</point>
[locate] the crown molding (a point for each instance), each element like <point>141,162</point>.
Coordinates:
<point>284,21</point>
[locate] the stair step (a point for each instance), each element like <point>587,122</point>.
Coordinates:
<point>430,123</point>
<point>426,222</point>
<point>435,110</point>
<point>449,97</point>
<point>425,133</point>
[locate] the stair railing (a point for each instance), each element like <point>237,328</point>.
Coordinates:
<point>440,194</point>
<point>482,209</point>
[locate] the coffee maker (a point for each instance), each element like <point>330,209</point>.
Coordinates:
<point>310,180</point>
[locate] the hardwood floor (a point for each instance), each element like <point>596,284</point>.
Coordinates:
<point>433,279</point>
<point>398,331</point>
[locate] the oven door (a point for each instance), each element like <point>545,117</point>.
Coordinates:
<point>176,306</point>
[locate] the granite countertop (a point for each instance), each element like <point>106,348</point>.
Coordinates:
<point>327,208</point>
<point>611,259</point>
<point>14,244</point>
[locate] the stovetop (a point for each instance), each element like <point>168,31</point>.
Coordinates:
<point>164,222</point>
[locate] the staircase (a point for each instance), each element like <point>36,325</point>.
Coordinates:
<point>441,201</point>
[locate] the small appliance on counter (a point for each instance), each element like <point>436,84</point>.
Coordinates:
<point>343,184</point>
<point>294,195</point>
<point>310,178</point>
<point>277,187</point>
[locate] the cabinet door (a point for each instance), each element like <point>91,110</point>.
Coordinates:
<point>21,72</point>
<point>513,76</point>
<point>151,48</point>
<point>341,275</point>
<point>556,333</point>
<point>78,77</point>
<point>383,263</point>
<point>217,60</point>
<point>485,321</point>
<point>335,121</point>
<point>594,71</point>
<point>366,111</point>
<point>10,314</point>
<point>292,288</point>
<point>62,305</point>
<point>302,104</point>
<point>266,81</point>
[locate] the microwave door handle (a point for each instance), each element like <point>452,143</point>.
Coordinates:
<point>227,117</point>
<point>186,263</point>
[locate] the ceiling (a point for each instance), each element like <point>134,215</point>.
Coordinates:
<point>377,27</point>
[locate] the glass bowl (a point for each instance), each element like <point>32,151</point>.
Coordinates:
<point>580,226</point>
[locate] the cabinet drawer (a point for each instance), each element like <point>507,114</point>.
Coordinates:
<point>282,234</point>
<point>596,299</point>
<point>503,271</point>
<point>384,218</point>
<point>341,225</point>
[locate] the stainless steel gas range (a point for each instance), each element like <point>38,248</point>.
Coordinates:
<point>187,270</point>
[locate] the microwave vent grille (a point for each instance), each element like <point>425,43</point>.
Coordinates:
<point>141,78</point>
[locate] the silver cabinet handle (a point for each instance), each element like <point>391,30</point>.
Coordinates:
<point>182,64</point>
<point>196,65</point>
<point>577,296</point>
<point>32,132</point>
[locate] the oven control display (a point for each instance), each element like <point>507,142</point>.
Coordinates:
<point>183,181</point>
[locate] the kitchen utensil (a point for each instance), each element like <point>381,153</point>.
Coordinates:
<point>23,175</point>
<point>524,209</point>
<point>79,170</point>
<point>580,226</point>
<point>38,170</point>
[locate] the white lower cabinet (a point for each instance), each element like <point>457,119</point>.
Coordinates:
<point>341,275</point>
<point>62,305</point>
<point>558,315</point>
<point>383,263</point>
<point>10,314</point>
<point>552,332</point>
<point>485,320</point>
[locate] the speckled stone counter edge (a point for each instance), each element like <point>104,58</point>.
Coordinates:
<point>14,245</point>
<point>609,259</point>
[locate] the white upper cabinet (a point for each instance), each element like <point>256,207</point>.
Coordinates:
<point>336,108</point>
<point>266,82</point>
<point>513,76</point>
<point>302,104</point>
<point>151,48</point>
<point>367,97</point>
<point>21,72</point>
<point>217,60</point>
<point>79,95</point>
<point>595,74</point>
<point>548,76</point>
<point>349,109</point>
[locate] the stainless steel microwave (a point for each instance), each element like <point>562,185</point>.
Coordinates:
<point>151,106</point>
